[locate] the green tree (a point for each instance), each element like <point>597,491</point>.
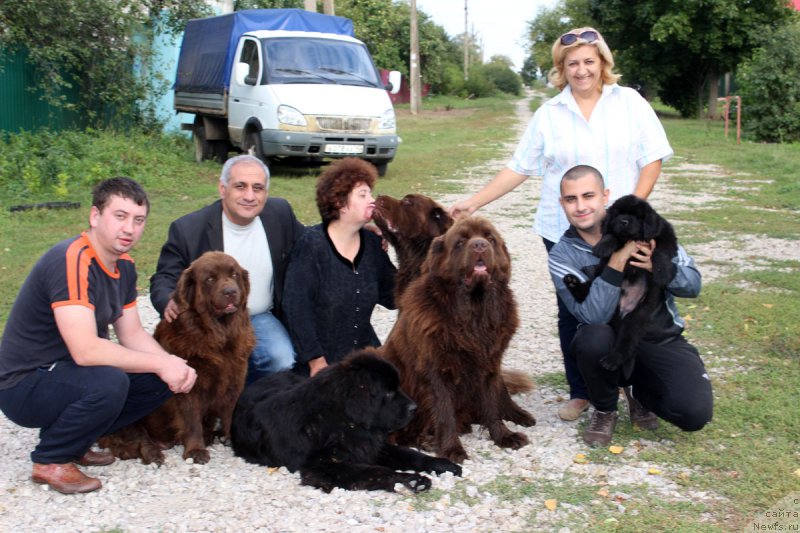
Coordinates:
<point>550,23</point>
<point>770,87</point>
<point>530,70</point>
<point>682,47</point>
<point>93,45</point>
<point>499,71</point>
<point>385,27</point>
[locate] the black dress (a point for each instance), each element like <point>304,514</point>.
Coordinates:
<point>328,300</point>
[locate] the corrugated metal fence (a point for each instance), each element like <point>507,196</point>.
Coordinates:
<point>23,109</point>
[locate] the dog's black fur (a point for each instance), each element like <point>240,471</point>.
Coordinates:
<point>333,427</point>
<point>632,219</point>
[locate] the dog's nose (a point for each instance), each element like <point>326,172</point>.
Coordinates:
<point>230,291</point>
<point>479,245</point>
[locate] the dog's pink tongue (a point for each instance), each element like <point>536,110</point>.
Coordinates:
<point>480,267</point>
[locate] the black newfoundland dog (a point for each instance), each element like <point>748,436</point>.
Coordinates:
<point>632,219</point>
<point>332,428</point>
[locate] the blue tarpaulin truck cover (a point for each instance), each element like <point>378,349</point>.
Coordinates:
<point>209,44</point>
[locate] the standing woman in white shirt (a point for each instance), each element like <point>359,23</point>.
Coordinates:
<point>593,121</point>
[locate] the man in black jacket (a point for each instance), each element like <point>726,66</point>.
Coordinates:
<point>259,233</point>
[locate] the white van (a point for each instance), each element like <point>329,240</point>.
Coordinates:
<point>284,83</point>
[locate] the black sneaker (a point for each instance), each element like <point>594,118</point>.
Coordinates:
<point>640,417</point>
<point>600,428</point>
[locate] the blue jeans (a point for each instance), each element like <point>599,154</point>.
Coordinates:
<point>273,351</point>
<point>76,405</point>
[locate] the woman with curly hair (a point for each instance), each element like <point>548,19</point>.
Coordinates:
<point>338,271</point>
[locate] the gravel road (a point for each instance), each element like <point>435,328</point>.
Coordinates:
<point>501,490</point>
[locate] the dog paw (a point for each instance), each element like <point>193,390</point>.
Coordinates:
<point>512,440</point>
<point>414,482</point>
<point>441,465</point>
<point>151,456</point>
<point>571,281</point>
<point>198,456</point>
<point>456,454</point>
<point>523,418</point>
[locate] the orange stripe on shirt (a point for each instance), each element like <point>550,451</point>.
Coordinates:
<point>79,258</point>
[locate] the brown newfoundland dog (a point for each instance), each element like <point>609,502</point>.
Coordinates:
<point>333,427</point>
<point>410,225</point>
<point>455,323</point>
<point>213,332</point>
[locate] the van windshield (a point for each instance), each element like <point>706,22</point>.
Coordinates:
<point>308,60</point>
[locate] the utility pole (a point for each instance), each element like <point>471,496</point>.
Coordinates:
<point>416,94</point>
<point>466,43</point>
<point>328,8</point>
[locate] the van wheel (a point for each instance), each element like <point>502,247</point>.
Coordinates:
<point>381,168</point>
<point>252,145</point>
<point>202,148</point>
<point>219,150</point>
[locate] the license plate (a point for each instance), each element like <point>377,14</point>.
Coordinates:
<point>344,149</point>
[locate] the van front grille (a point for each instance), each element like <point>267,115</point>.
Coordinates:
<point>344,123</point>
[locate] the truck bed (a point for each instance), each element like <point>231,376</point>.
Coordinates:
<point>205,103</point>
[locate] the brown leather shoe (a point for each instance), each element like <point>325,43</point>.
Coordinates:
<point>93,458</point>
<point>600,428</point>
<point>66,478</point>
<point>639,415</point>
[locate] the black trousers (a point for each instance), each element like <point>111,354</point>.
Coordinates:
<point>669,378</point>
<point>567,325</point>
<point>75,405</point>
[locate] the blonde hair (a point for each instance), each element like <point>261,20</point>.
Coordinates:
<point>560,51</point>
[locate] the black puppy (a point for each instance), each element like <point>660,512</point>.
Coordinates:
<point>632,219</point>
<point>333,427</point>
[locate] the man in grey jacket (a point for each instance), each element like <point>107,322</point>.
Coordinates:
<point>669,380</point>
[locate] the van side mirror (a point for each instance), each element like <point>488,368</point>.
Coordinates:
<point>243,76</point>
<point>241,72</point>
<point>395,78</point>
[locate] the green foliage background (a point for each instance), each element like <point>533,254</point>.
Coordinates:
<point>769,85</point>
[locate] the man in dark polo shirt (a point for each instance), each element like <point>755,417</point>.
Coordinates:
<point>58,369</point>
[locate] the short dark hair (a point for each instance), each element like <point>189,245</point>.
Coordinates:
<point>337,182</point>
<point>579,171</point>
<point>121,186</point>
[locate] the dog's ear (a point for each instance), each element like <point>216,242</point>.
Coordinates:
<point>184,291</point>
<point>359,405</point>
<point>440,221</point>
<point>607,245</point>
<point>653,225</point>
<point>434,255</point>
<point>245,276</point>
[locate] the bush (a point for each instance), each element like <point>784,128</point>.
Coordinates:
<point>451,83</point>
<point>505,79</point>
<point>479,85</point>
<point>770,87</point>
<point>44,165</point>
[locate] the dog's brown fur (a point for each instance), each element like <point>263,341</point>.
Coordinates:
<point>213,333</point>
<point>456,321</point>
<point>410,225</point>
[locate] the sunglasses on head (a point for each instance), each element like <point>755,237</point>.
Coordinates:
<point>589,36</point>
